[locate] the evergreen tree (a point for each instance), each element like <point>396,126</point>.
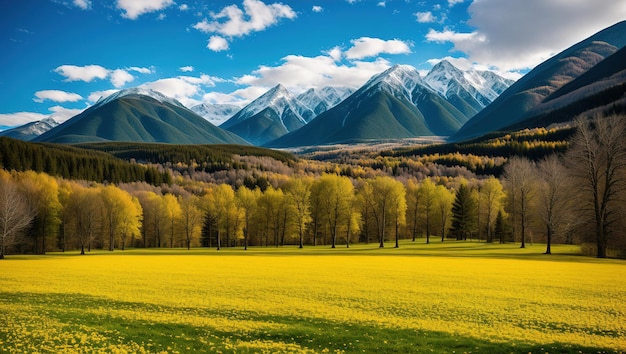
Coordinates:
<point>463,213</point>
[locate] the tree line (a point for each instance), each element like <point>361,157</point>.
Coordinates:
<point>568,198</point>
<point>74,163</point>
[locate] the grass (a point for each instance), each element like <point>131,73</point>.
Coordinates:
<point>450,297</point>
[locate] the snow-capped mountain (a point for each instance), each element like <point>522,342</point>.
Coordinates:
<point>30,130</point>
<point>320,100</point>
<point>132,116</point>
<point>138,91</point>
<point>476,88</point>
<point>216,113</point>
<point>275,113</point>
<point>399,80</point>
<point>394,104</point>
<point>281,101</point>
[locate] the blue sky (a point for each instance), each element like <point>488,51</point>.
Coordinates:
<point>59,56</point>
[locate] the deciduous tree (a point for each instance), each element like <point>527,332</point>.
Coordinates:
<point>519,176</point>
<point>597,160</point>
<point>15,214</point>
<point>299,194</point>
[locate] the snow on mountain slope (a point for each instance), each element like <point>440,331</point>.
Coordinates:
<point>278,99</point>
<point>400,80</point>
<point>322,99</point>
<point>30,130</point>
<point>216,113</point>
<point>138,91</point>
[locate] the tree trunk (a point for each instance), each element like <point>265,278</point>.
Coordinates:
<point>548,239</point>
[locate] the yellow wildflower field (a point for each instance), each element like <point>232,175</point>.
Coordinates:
<point>453,296</point>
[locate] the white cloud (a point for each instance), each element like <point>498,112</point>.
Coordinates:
<point>234,22</point>
<point>82,73</point>
<point>61,114</point>
<point>317,8</point>
<point>141,70</point>
<point>176,88</point>
<point>161,16</point>
<point>20,118</point>
<point>382,4</point>
<point>135,8</point>
<point>365,47</point>
<point>425,17</point>
<point>120,77</point>
<point>454,2</point>
<point>83,4</point>
<point>518,35</point>
<point>186,69</point>
<point>183,7</point>
<point>185,89</point>
<point>217,44</point>
<point>335,53</point>
<point>299,73</point>
<point>56,96</point>
<point>455,37</point>
<point>58,113</point>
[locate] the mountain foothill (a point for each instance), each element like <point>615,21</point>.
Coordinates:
<point>586,78</point>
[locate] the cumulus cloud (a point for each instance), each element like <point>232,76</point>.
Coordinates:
<point>186,69</point>
<point>56,96</point>
<point>58,113</point>
<point>83,4</point>
<point>518,35</point>
<point>141,70</point>
<point>381,4</point>
<point>82,73</point>
<point>454,2</point>
<point>317,8</point>
<point>425,17</point>
<point>120,77</point>
<point>217,44</point>
<point>183,7</point>
<point>366,47</point>
<point>20,118</point>
<point>135,8</point>
<point>61,114</point>
<point>183,88</point>
<point>234,22</point>
<point>299,73</point>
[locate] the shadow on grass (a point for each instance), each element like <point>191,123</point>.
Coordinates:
<point>318,335</point>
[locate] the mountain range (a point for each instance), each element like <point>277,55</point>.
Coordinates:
<point>587,78</point>
<point>399,103</point>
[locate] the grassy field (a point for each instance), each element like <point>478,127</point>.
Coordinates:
<point>450,297</point>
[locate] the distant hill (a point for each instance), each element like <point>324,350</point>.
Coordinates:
<point>397,104</point>
<point>524,99</point>
<point>30,130</point>
<point>137,115</point>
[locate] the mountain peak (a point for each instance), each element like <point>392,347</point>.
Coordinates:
<point>399,80</point>
<point>139,91</point>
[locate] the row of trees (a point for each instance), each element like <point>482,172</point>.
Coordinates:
<point>576,197</point>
